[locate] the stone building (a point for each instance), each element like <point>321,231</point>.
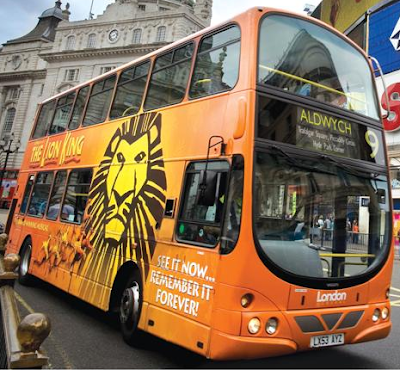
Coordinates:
<point>58,54</point>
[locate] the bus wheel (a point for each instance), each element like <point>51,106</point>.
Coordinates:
<point>24,277</point>
<point>130,309</point>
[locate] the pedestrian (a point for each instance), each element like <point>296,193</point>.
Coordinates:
<point>348,230</point>
<point>355,231</point>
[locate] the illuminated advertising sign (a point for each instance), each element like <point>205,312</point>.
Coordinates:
<point>341,14</point>
<point>384,37</point>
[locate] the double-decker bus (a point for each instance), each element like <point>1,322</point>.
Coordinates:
<point>228,192</point>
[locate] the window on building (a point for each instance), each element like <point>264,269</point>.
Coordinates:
<point>8,121</point>
<point>169,78</point>
<point>40,194</point>
<point>27,193</point>
<point>130,90</point>
<point>137,35</point>
<point>70,43</point>
<point>163,9</point>
<point>71,74</point>
<point>202,206</point>
<point>161,31</point>
<point>106,69</point>
<point>76,196</point>
<point>79,108</point>
<point>44,119</point>
<point>142,8</point>
<point>63,112</point>
<point>99,101</point>
<point>57,195</point>
<point>217,64</point>
<point>91,40</point>
<point>13,93</point>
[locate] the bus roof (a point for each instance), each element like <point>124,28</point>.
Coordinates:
<point>251,12</point>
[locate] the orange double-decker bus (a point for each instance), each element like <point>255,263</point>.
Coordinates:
<point>228,193</point>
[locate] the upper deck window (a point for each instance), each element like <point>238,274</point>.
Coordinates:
<point>63,112</point>
<point>130,90</point>
<point>99,101</point>
<point>169,79</point>
<point>78,108</point>
<point>308,60</point>
<point>44,119</point>
<point>217,64</point>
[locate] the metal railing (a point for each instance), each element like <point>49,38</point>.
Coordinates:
<point>20,340</point>
<point>355,242</point>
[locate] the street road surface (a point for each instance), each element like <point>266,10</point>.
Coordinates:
<point>85,337</point>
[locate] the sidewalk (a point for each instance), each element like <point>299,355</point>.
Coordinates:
<point>3,215</point>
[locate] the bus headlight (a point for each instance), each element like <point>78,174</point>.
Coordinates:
<point>254,325</point>
<point>376,315</point>
<point>246,300</point>
<point>272,326</point>
<point>385,313</point>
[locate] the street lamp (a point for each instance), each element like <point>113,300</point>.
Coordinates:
<point>7,147</point>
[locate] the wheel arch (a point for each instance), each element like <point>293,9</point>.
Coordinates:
<point>125,271</point>
<point>22,245</point>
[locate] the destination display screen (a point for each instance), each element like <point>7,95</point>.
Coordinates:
<point>313,130</point>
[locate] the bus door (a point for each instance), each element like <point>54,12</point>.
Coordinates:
<point>16,225</point>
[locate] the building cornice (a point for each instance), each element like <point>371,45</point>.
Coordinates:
<point>153,16</point>
<point>94,53</point>
<point>20,75</point>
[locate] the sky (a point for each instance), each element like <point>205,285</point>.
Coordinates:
<point>18,17</point>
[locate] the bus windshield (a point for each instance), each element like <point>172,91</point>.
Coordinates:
<point>319,218</point>
<point>305,59</point>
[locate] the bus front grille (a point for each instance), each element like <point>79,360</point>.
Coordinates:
<point>313,324</point>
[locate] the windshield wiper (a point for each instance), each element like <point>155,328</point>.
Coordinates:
<point>348,168</point>
<point>298,164</point>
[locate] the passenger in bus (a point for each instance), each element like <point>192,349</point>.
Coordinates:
<point>53,211</point>
<point>67,212</point>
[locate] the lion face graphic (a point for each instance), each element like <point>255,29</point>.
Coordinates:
<point>125,180</point>
<point>126,200</point>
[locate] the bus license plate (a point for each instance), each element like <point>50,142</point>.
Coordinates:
<point>327,340</point>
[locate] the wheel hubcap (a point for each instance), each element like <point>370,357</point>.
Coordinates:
<point>129,308</point>
<point>24,266</point>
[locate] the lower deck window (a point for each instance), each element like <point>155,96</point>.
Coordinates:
<point>40,194</point>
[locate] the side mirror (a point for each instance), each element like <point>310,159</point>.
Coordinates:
<point>207,189</point>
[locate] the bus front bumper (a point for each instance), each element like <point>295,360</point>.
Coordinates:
<point>231,347</point>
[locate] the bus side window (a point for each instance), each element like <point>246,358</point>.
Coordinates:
<point>130,90</point>
<point>99,101</point>
<point>57,195</point>
<point>27,193</point>
<point>40,194</point>
<point>169,78</point>
<point>76,196</point>
<point>62,115</point>
<point>233,214</point>
<point>44,119</point>
<point>217,64</point>
<point>78,108</point>
<point>200,221</point>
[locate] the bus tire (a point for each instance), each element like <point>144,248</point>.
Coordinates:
<point>24,278</point>
<point>130,308</point>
